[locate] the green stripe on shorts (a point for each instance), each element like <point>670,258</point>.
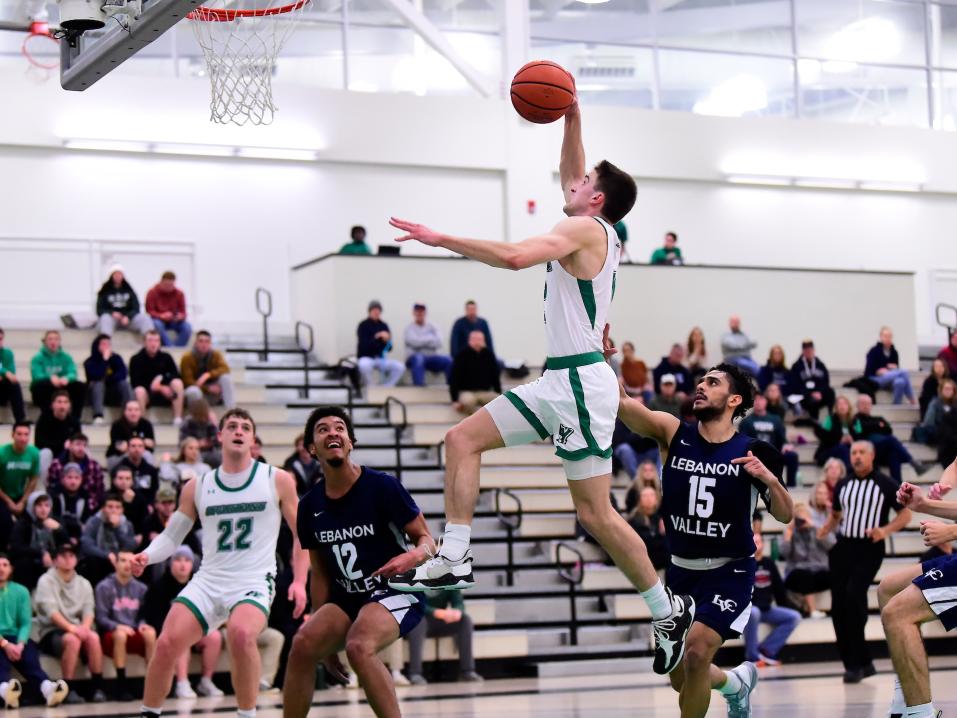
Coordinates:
<point>528,414</point>
<point>196,612</point>
<point>257,604</point>
<point>574,360</point>
<point>580,454</point>
<point>584,419</point>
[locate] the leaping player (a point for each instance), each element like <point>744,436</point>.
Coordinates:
<point>711,481</point>
<point>240,506</point>
<point>575,401</point>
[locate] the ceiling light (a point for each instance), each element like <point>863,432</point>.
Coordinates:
<point>734,97</point>
<point>874,39</point>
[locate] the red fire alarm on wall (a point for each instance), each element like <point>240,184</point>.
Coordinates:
<point>531,206</point>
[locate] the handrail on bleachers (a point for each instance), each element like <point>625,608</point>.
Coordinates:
<point>264,296</point>
<point>573,577</point>
<point>391,401</point>
<point>306,348</point>
<point>512,523</point>
<point>950,326</point>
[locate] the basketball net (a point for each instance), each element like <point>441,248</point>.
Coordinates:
<point>39,70</point>
<point>241,41</point>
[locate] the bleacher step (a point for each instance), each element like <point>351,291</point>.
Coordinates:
<point>593,667</point>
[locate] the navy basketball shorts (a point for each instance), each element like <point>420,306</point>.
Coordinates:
<point>722,595</point>
<point>406,608</point>
<point>939,586</point>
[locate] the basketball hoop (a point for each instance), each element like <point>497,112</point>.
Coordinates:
<point>39,30</point>
<point>241,43</point>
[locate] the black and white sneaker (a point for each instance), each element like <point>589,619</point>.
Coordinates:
<point>438,572</point>
<point>670,634</point>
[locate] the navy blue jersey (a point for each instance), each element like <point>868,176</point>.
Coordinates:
<point>358,533</point>
<point>707,502</point>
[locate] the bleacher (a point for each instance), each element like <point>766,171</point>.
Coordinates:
<point>522,607</point>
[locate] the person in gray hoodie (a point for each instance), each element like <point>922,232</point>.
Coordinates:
<point>64,622</point>
<point>106,534</point>
<point>33,540</point>
<point>806,556</point>
<point>736,347</point>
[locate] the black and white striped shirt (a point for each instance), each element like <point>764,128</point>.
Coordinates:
<point>864,503</point>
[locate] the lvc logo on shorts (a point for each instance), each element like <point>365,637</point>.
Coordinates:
<point>564,432</point>
<point>935,574</point>
<point>725,604</point>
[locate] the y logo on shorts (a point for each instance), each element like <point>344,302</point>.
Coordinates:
<point>564,432</point>
<point>935,574</point>
<point>725,604</point>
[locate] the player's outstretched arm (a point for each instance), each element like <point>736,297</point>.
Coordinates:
<point>914,498</point>
<point>657,425</point>
<point>164,545</point>
<point>418,531</point>
<point>571,166</point>
<point>289,505</point>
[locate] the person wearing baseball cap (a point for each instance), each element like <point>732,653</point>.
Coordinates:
<point>667,399</point>
<point>118,307</point>
<point>422,344</point>
<point>375,342</point>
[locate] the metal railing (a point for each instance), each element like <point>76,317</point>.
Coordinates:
<point>264,296</point>
<point>512,522</point>
<point>950,324</point>
<point>573,577</point>
<point>306,348</point>
<point>399,428</point>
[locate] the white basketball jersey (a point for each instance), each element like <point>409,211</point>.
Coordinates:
<point>576,309</point>
<point>240,525</point>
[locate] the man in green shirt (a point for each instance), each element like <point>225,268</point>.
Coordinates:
<point>669,254</point>
<point>16,648</point>
<point>444,616</point>
<point>19,473</point>
<point>51,369</point>
<point>358,244</point>
<point>10,390</point>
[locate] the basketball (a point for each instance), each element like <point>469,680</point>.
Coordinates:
<point>542,91</point>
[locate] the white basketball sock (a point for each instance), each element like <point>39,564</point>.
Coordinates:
<point>898,705</point>
<point>455,541</point>
<point>658,601</point>
<point>924,710</point>
<point>732,685</point>
<point>246,713</point>
<point>46,688</point>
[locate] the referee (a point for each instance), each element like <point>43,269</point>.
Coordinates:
<point>860,512</point>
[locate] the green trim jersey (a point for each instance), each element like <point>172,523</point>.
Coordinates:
<point>576,310</point>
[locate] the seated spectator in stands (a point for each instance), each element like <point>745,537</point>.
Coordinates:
<point>135,508</point>
<point>166,305</point>
<point>673,364</point>
<point>156,379</point>
<point>819,505</point>
<point>647,477</point>
<point>205,373</point>
<point>621,229</point>
<point>928,391</point>
<point>736,347</point>
<point>422,344</point>
<point>697,355</point>
<point>768,589</point>
<point>807,571</point>
<point>647,523</point>
<point>928,431</point>
<point>630,450</point>
<point>949,354</point>
<point>776,402</point>
<point>834,470</point>
<point>475,376</point>
<point>883,368</point>
<point>834,434</point>
<point>34,540</point>
<point>119,598</point>
<point>304,467</point>
<point>131,424</point>
<point>19,476</point>
<point>16,648</point>
<point>635,377</point>
<point>811,380</point>
<point>375,341</point>
<point>145,475</point>
<point>445,615</point>
<point>71,503</point>
<point>357,243</point>
<point>670,253</point>
<point>256,450</point>
<point>106,377</point>
<point>105,534</point>
<point>464,326</point>
<point>760,424</point>
<point>889,451</point>
<point>775,371</point>
<point>163,509</point>
<point>945,422</point>
<point>65,611</point>
<point>10,390</point>
<point>200,426</point>
<point>77,452</point>
<point>54,428</point>
<point>118,307</point>
<point>156,604</point>
<point>52,370</point>
<point>187,465</point>
<point>667,399</point>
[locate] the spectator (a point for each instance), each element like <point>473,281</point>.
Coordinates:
<point>673,364</point>
<point>156,379</point>
<point>883,368</point>
<point>667,399</point>
<point>156,604</point>
<point>163,510</point>
<point>949,354</point>
<point>188,464</point>
<point>811,380</point>
<point>131,424</point>
<point>357,245</point>
<point>775,371</point>
<point>205,373</point>
<point>16,648</point>
<point>760,424</point>
<point>52,369</point>
<point>256,450</point>
<point>646,478</point>
<point>928,431</point>
<point>107,377</point>
<point>736,347</point>
<point>71,503</point>
<point>19,475</point>
<point>10,390</point>
<point>475,376</point>
<point>632,451</point>
<point>65,612</point>
<point>670,253</point>
<point>304,467</point>
<point>648,524</point>
<point>104,536</point>
<point>118,307</point>
<point>135,508</point>
<point>697,355</point>
<point>375,341</point>
<point>860,513</point>
<point>621,229</point>
<point>768,590</point>
<point>776,404</point>
<point>834,434</point>
<point>877,431</point>
<point>77,452</point>
<point>119,598</point>
<point>200,426</point>
<point>819,507</point>
<point>945,422</point>
<point>635,378</point>
<point>834,471</point>
<point>466,325</point>
<point>806,573</point>
<point>444,616</point>
<point>34,540</point>
<point>422,344</point>
<point>54,428</point>
<point>145,475</point>
<point>166,305</point>
<point>928,391</point>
